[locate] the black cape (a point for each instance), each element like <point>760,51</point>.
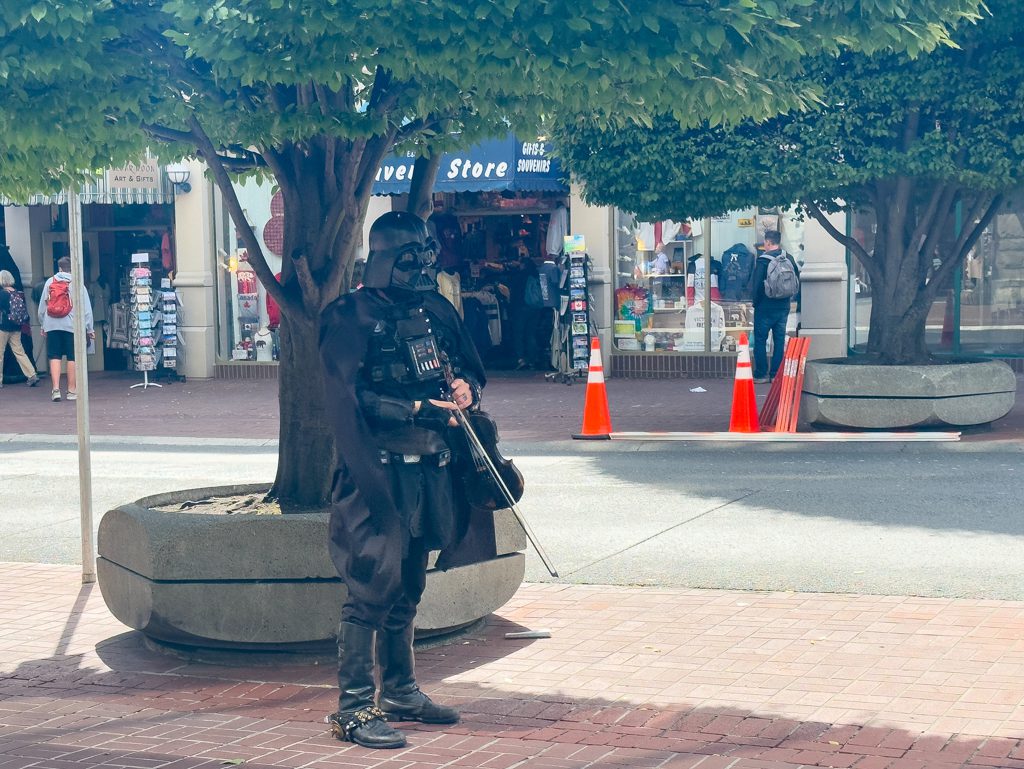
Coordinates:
<point>345,332</point>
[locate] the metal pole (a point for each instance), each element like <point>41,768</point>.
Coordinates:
<point>707,286</point>
<point>82,372</point>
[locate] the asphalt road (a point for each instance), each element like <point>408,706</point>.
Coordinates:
<point>897,519</point>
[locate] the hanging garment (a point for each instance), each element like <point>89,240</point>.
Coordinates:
<point>475,318</point>
<point>166,252</point>
<point>696,279</point>
<point>487,298</point>
<point>558,228</point>
<point>449,285</point>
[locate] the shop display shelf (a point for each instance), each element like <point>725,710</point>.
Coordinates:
<point>501,211</point>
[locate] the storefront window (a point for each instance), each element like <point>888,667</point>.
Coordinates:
<point>248,317</point>
<point>862,229</point>
<point>671,276</point>
<point>992,290</point>
<point>981,312</point>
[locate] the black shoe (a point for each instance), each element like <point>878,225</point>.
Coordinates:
<point>366,727</point>
<point>400,697</point>
<point>416,706</point>
<point>358,720</point>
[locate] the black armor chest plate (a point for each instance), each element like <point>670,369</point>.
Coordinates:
<point>404,355</point>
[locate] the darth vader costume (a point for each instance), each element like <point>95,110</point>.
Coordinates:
<point>384,349</point>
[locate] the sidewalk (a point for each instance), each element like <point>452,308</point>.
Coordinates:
<point>526,407</point>
<point>630,678</point>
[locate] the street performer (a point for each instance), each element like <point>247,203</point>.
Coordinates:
<point>384,349</point>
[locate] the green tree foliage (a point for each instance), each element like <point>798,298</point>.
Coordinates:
<point>915,141</point>
<point>317,92</point>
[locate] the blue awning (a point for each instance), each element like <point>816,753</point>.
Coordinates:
<point>493,165</point>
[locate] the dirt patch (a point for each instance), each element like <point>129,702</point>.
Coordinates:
<point>249,504</point>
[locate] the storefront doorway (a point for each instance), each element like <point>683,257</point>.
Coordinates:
<point>111,233</point>
<point>500,217</point>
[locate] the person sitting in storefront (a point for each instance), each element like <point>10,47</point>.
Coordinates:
<point>660,265</point>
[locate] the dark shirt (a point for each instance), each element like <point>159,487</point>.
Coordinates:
<point>550,278</point>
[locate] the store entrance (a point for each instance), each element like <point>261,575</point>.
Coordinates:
<point>493,248</point>
<point>111,233</point>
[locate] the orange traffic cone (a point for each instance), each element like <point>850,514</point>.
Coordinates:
<point>744,417</point>
<point>597,422</point>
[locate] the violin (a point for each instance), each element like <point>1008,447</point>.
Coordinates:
<point>478,462</point>
<point>479,484</point>
<point>490,481</point>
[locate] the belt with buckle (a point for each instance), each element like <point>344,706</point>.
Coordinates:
<point>440,459</point>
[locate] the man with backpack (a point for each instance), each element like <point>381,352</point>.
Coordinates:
<point>776,282</point>
<point>57,308</point>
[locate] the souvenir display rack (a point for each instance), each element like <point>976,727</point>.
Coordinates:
<point>579,311</point>
<point>574,321</point>
<point>169,326</point>
<point>141,310</point>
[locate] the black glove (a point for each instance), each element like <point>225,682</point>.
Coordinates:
<point>432,417</point>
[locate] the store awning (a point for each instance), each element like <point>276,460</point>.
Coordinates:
<point>101,189</point>
<point>492,165</point>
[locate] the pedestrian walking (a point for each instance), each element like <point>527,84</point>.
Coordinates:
<point>57,310</point>
<point>384,350</point>
<point>13,315</point>
<point>776,281</point>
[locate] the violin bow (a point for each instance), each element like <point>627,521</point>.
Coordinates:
<point>478,447</point>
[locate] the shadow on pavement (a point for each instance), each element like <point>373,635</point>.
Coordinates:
<point>144,713</point>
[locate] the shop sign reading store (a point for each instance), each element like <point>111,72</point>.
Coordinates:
<point>458,168</point>
<point>495,164</point>
<point>135,176</point>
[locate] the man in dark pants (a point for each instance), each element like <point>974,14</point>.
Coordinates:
<point>384,348</point>
<point>770,314</point>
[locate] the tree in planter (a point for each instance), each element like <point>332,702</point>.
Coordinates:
<point>918,142</point>
<point>316,93</point>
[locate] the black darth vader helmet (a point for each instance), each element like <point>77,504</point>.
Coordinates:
<point>402,254</point>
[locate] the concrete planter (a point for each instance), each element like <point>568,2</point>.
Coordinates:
<point>842,393</point>
<point>264,582</point>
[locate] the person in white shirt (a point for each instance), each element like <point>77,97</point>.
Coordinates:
<point>58,327</point>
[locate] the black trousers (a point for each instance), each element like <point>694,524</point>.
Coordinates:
<point>399,614</point>
<point>384,563</point>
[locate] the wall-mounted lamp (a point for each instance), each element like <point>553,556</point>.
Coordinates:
<point>178,174</point>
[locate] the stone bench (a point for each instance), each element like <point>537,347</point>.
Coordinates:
<point>265,582</point>
<point>849,394</point>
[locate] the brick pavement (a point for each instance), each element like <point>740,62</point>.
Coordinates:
<point>527,408</point>
<point>630,678</point>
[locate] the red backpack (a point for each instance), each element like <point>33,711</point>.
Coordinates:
<point>59,303</point>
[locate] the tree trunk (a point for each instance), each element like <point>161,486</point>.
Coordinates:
<point>897,332</point>
<point>306,455</point>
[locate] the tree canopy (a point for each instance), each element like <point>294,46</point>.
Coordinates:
<point>317,92</point>
<point>914,140</point>
<point>78,80</point>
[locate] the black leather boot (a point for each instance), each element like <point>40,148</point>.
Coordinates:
<point>400,697</point>
<point>358,720</point>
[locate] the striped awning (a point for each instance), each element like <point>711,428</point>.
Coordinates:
<point>97,191</point>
